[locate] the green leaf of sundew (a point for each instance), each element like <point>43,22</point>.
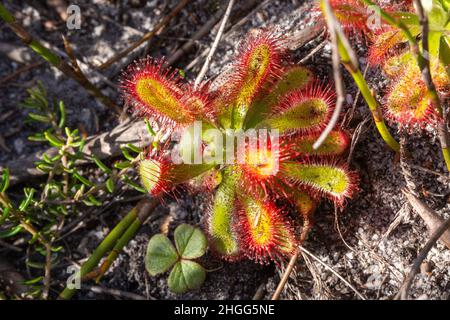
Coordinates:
<point>156,92</point>
<point>446,4</point>
<point>190,242</point>
<point>437,16</point>
<point>407,18</point>
<point>161,255</point>
<point>254,68</point>
<point>434,43</point>
<point>221,219</point>
<point>266,228</point>
<point>186,275</point>
<point>301,114</point>
<point>331,180</point>
<point>153,175</point>
<point>295,78</point>
<point>335,144</point>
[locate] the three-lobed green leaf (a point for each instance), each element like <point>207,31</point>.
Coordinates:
<point>161,255</point>
<point>191,242</point>
<point>186,275</point>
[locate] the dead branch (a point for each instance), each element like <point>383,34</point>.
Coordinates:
<point>19,71</point>
<point>202,72</point>
<point>207,27</point>
<point>249,5</point>
<point>117,293</point>
<point>285,277</point>
<point>431,218</point>
<point>404,290</point>
<point>58,62</point>
<point>146,37</point>
<point>333,271</point>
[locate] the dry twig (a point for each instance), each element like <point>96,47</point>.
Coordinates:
<point>431,218</point>
<point>404,290</point>
<point>207,27</point>
<point>285,276</point>
<point>202,72</point>
<point>333,271</point>
<point>147,36</point>
<point>55,60</point>
<point>117,293</point>
<point>19,71</point>
<point>339,83</point>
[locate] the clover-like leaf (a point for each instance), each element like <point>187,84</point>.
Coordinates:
<point>161,255</point>
<point>186,275</point>
<point>191,242</point>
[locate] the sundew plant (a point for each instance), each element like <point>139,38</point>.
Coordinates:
<point>255,134</point>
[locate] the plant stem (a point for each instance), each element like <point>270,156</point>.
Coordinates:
<point>143,212</point>
<point>285,277</point>
<point>424,66</point>
<point>118,238</point>
<point>106,245</point>
<point>54,59</point>
<point>349,60</point>
<point>338,83</point>
<point>6,203</point>
<point>375,110</point>
<point>121,243</point>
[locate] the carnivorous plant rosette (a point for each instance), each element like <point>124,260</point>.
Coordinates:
<point>407,101</point>
<point>253,185</point>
